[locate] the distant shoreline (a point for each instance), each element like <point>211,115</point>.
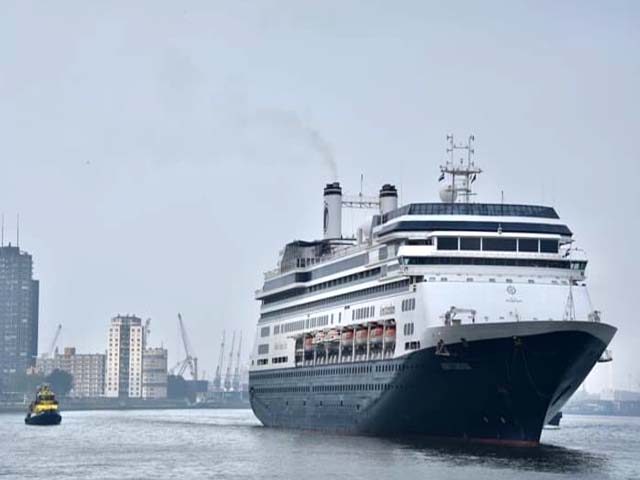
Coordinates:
<point>129,405</point>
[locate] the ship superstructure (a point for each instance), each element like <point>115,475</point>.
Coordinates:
<point>448,319</point>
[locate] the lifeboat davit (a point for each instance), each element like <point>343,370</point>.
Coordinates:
<point>376,334</point>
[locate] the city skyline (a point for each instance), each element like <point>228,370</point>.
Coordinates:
<point>173,152</point>
<point>19,297</point>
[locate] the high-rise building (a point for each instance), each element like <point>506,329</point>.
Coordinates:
<point>87,370</point>
<point>154,373</point>
<point>19,294</point>
<point>124,357</point>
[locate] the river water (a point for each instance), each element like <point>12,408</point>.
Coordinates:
<point>191,444</point>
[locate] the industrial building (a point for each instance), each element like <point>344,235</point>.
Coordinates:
<point>124,357</point>
<point>154,373</point>
<point>19,294</point>
<point>87,369</point>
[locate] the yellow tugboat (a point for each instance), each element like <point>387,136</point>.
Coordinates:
<point>44,409</point>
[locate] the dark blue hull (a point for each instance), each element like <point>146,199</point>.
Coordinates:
<point>497,390</point>
<point>48,417</point>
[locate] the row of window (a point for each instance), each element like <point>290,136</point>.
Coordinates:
<point>306,262</point>
<point>291,326</point>
<point>348,370</point>
<point>483,209</point>
<point>355,277</point>
<point>473,226</point>
<point>320,321</point>
<point>408,304</point>
<point>279,360</point>
<point>357,387</point>
<point>408,329</point>
<point>339,299</point>
<point>363,312</point>
<point>316,273</point>
<point>493,244</point>
<point>412,345</point>
<point>503,262</point>
<point>314,372</point>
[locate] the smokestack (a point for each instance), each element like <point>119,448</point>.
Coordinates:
<point>332,211</point>
<point>388,198</point>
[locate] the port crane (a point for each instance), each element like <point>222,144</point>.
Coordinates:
<point>227,378</point>
<point>145,333</point>
<point>236,374</point>
<point>217,381</point>
<point>49,352</point>
<point>190,361</point>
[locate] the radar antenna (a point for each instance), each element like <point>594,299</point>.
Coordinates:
<point>461,174</point>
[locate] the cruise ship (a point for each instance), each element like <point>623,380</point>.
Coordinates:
<point>454,319</point>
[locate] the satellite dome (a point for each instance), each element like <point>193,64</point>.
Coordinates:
<point>448,194</point>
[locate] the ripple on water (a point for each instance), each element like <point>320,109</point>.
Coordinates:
<point>186,444</point>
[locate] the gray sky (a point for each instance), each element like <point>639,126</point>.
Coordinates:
<point>161,153</point>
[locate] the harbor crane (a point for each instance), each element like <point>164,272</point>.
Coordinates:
<point>190,360</point>
<point>236,374</point>
<point>49,352</point>
<point>145,334</point>
<point>227,378</point>
<point>217,381</point>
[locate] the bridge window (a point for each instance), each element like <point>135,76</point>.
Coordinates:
<point>528,244</point>
<point>264,331</point>
<point>499,244</point>
<point>469,243</point>
<point>263,349</point>
<point>549,246</point>
<point>447,243</point>
<point>427,241</point>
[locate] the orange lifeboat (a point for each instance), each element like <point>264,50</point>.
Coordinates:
<point>376,334</point>
<point>332,336</point>
<point>361,336</point>
<point>308,344</point>
<point>347,336</point>
<point>390,334</point>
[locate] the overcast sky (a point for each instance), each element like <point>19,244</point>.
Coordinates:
<point>161,153</point>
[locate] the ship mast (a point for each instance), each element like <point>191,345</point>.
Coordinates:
<point>461,174</point>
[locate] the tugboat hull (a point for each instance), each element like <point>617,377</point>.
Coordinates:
<point>48,417</point>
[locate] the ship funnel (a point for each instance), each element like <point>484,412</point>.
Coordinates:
<point>388,198</point>
<point>332,211</point>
